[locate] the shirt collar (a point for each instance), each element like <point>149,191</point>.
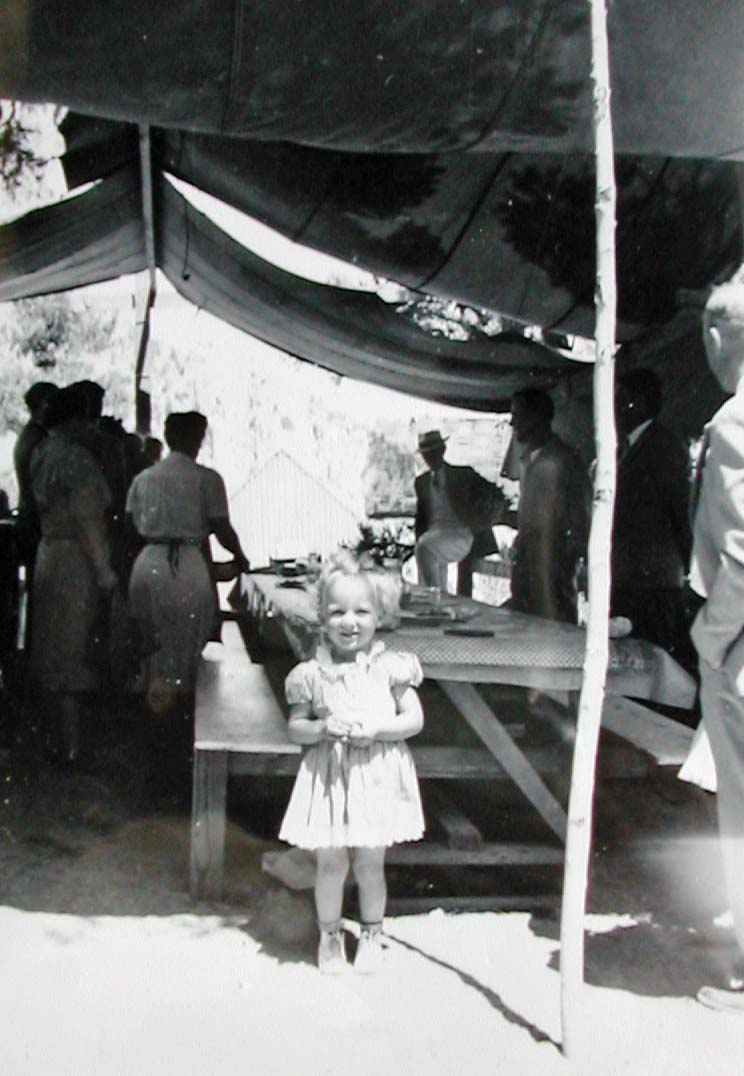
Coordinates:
<point>363,659</point>
<point>634,435</point>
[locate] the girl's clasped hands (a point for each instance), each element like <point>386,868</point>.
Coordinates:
<point>352,707</point>
<point>350,727</point>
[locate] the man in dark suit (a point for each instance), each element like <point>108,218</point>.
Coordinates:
<point>453,504</point>
<point>717,574</point>
<point>652,537</point>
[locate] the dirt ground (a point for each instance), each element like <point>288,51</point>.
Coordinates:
<point>108,968</point>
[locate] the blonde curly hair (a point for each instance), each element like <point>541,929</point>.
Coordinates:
<point>384,588</point>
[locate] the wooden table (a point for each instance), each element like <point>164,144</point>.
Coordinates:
<point>522,650</point>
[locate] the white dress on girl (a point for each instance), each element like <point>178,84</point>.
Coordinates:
<point>347,796</point>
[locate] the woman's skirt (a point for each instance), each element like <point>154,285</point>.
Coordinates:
<point>67,608</point>
<point>354,797</point>
<point>172,601</point>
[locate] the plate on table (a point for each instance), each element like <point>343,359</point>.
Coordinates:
<point>434,616</point>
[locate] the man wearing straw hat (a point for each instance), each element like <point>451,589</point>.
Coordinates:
<point>717,574</point>
<point>453,504</point>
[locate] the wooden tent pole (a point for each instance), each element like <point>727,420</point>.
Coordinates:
<point>141,400</point>
<point>578,840</point>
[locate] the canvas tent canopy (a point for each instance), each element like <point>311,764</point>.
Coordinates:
<point>442,145</point>
<point>400,76</point>
<point>100,235</point>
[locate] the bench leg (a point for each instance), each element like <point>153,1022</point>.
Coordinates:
<point>208,824</point>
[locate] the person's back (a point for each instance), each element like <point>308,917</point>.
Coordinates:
<point>651,532</point>
<point>174,506</point>
<point>28,440</point>
<point>552,532</point>
<point>553,513</point>
<point>651,538</point>
<point>32,434</point>
<point>166,499</point>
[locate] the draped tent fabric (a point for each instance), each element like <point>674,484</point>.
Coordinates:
<point>87,239</point>
<point>394,76</point>
<point>352,333</point>
<point>98,235</point>
<point>443,145</point>
<point>506,232</point>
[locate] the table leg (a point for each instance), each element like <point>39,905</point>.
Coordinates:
<point>208,824</point>
<point>486,724</point>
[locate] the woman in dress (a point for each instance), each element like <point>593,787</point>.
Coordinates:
<point>72,577</point>
<point>175,505</point>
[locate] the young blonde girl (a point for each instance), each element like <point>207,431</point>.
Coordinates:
<point>352,707</point>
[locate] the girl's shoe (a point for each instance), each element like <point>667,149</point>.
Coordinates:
<point>368,959</point>
<point>331,952</point>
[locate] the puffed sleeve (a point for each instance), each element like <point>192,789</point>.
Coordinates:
<point>298,687</point>
<point>404,669</point>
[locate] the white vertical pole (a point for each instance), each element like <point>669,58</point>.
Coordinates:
<point>578,841</point>
<point>148,217</point>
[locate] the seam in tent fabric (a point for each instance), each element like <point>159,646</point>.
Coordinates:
<point>236,57</point>
<point>476,207</point>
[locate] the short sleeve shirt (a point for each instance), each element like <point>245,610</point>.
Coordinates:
<point>176,498</point>
<point>67,485</point>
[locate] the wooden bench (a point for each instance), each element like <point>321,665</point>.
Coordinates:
<point>665,740</point>
<point>240,729</point>
<point>237,719</point>
<point>662,739</point>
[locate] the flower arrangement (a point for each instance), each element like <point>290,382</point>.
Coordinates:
<point>384,543</point>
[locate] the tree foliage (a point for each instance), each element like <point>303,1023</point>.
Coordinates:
<point>389,474</point>
<point>18,160</point>
<point>51,332</point>
<point>23,163</point>
<point>50,339</point>
<point>677,226</point>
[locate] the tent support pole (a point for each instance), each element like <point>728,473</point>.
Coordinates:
<point>578,841</point>
<point>142,399</point>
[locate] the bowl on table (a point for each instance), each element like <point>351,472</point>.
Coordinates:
<point>287,566</point>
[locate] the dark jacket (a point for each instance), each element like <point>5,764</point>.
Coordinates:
<point>473,498</point>
<point>652,537</point>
